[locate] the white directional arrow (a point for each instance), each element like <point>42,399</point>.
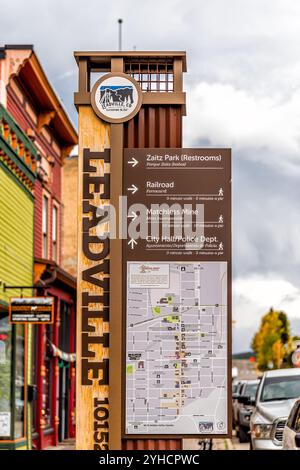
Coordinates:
<point>132,216</point>
<point>132,242</point>
<point>133,162</point>
<point>133,189</point>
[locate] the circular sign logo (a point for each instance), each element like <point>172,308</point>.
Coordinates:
<point>116,97</point>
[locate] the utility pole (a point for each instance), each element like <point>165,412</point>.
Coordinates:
<point>120,21</point>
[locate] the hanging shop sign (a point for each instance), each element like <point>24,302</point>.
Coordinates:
<point>116,97</point>
<point>31,310</point>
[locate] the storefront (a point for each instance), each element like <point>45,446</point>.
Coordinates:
<point>17,178</point>
<point>37,387</point>
<point>53,347</point>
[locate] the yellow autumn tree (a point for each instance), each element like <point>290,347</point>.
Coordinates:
<point>272,342</point>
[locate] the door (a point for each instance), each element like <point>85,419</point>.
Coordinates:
<point>64,371</point>
<point>63,429</point>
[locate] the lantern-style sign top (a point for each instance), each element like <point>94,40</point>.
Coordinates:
<point>116,97</point>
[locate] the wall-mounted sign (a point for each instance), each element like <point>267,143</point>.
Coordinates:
<point>116,97</point>
<point>31,310</point>
<point>177,286</point>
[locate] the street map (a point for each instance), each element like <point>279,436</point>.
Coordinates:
<point>176,348</point>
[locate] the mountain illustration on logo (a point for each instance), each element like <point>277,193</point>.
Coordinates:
<point>114,96</point>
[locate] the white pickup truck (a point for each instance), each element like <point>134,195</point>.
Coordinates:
<point>276,395</point>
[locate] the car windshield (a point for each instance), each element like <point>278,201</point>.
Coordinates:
<point>250,390</point>
<point>280,388</point>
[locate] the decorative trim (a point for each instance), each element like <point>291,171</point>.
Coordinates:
<point>44,119</point>
<point>10,171</point>
<point>17,151</point>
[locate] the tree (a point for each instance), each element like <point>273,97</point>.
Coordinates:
<point>272,342</point>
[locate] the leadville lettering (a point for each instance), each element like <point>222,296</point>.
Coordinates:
<point>89,314</point>
<point>87,340</point>
<point>89,276</point>
<point>88,298</point>
<point>88,240</point>
<point>95,367</point>
<point>96,181</point>
<point>97,250</point>
<point>88,223</point>
<point>88,156</point>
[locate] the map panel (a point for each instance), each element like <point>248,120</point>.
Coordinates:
<point>176,348</point>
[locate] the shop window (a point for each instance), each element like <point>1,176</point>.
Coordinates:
<point>54,233</point>
<point>34,348</point>
<point>47,380</point>
<point>5,378</point>
<point>45,226</point>
<point>12,380</point>
<point>19,407</point>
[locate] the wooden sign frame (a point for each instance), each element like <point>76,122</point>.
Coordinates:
<point>30,322</point>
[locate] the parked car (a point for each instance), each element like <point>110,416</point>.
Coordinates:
<point>245,407</point>
<point>291,432</point>
<point>276,395</point>
<point>236,389</point>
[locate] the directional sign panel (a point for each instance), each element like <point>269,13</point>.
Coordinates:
<point>177,280</point>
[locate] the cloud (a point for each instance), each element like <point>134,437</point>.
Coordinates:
<point>229,117</point>
<point>253,296</point>
<point>243,92</point>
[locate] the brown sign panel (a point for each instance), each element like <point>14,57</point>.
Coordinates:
<point>31,310</point>
<point>177,280</point>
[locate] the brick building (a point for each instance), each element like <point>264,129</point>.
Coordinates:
<point>69,228</point>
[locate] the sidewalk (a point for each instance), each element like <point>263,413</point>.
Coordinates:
<point>188,444</point>
<point>69,444</point>
<point>218,444</point>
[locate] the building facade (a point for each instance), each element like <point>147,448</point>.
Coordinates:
<point>29,99</point>
<point>18,159</point>
<point>69,227</point>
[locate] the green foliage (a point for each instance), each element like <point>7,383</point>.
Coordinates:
<point>272,343</point>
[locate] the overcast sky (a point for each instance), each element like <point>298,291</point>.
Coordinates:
<point>243,91</point>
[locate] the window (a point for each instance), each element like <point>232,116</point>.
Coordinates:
<point>47,379</point>
<point>45,224</point>
<point>54,233</point>
<point>297,421</point>
<point>281,388</point>
<point>19,382</point>
<point>34,349</point>
<point>5,378</point>
<point>12,380</point>
<point>152,76</point>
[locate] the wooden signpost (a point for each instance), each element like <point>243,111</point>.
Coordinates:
<point>137,103</point>
<point>108,114</point>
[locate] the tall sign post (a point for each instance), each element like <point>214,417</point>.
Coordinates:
<point>153,312</point>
